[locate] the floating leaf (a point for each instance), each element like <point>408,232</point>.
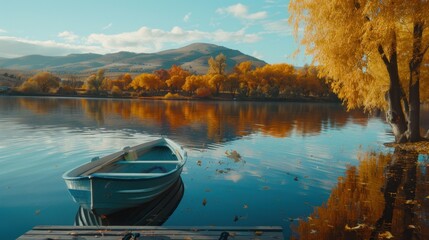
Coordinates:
<point>199,162</point>
<point>233,155</point>
<point>37,212</point>
<point>235,218</point>
<point>204,202</point>
<point>245,206</point>
<point>357,227</point>
<point>295,179</point>
<point>258,233</point>
<point>265,188</point>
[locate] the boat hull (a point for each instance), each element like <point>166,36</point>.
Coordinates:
<point>152,213</point>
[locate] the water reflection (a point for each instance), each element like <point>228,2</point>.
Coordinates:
<point>211,122</point>
<point>385,197</point>
<point>153,213</point>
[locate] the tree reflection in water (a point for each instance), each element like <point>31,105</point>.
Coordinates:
<point>385,197</point>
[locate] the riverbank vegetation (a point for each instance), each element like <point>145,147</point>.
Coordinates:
<point>276,81</point>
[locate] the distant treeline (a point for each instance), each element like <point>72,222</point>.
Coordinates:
<point>245,81</point>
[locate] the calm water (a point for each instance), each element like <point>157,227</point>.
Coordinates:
<point>291,155</point>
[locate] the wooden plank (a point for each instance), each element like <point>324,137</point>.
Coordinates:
<point>150,232</point>
<point>189,228</point>
<point>146,232</point>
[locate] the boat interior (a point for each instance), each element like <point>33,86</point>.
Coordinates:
<point>158,159</point>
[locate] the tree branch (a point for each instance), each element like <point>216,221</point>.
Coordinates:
<point>383,55</point>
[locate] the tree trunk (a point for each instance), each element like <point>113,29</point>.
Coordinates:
<point>394,115</point>
<point>400,180</point>
<point>414,84</point>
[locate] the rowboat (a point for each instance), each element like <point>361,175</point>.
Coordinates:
<point>152,213</point>
<point>127,178</point>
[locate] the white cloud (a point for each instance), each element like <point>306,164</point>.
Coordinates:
<point>3,31</point>
<point>68,36</point>
<point>148,40</point>
<point>144,39</point>
<point>241,11</point>
<point>187,17</point>
<point>107,26</point>
<point>16,47</point>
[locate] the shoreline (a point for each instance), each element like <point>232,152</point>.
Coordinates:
<point>184,98</point>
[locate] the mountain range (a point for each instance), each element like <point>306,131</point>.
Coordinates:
<point>193,57</point>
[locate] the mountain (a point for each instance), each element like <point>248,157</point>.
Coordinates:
<point>193,57</point>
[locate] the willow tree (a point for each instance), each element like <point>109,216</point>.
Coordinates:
<point>373,52</point>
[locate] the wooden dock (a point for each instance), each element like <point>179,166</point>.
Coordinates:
<point>150,232</point>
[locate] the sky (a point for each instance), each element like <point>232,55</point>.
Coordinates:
<point>57,27</point>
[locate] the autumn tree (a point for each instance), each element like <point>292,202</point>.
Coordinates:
<point>308,83</point>
<point>216,72</point>
<point>232,84</point>
<point>243,72</point>
<point>95,81</point>
<point>374,57</point>
<point>43,81</point>
<point>123,81</point>
<point>193,82</point>
<point>216,81</point>
<point>177,78</point>
<point>146,81</point>
<point>217,65</point>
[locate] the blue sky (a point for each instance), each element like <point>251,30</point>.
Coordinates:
<point>56,27</point>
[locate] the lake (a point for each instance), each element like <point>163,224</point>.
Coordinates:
<point>291,155</point>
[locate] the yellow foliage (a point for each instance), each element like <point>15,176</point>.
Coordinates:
<point>347,37</point>
<point>146,81</point>
<point>42,81</point>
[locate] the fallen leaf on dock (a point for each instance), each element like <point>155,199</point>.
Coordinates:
<point>385,235</point>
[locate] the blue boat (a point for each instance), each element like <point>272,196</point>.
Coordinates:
<point>127,178</point>
<point>152,213</point>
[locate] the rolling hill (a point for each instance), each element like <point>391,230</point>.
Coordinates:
<point>193,57</point>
